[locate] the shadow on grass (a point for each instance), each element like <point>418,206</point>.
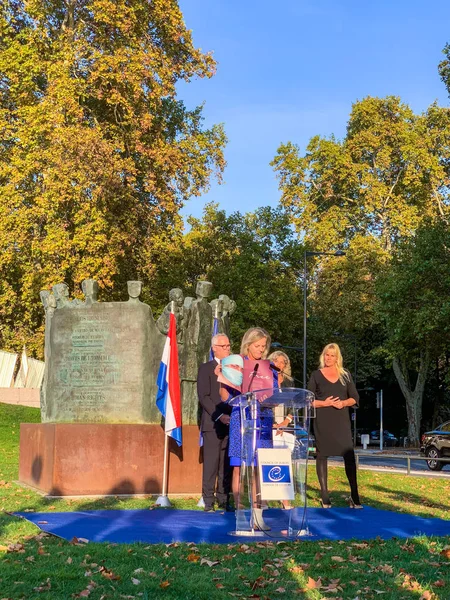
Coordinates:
<point>421,504</point>
<point>120,496</point>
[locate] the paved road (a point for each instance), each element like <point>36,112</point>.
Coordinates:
<point>398,465</point>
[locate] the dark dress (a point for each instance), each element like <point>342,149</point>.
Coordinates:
<point>332,425</point>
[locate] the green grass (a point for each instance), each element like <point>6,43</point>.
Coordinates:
<point>34,565</point>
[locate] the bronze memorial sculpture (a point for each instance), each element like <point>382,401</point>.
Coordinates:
<point>98,395</point>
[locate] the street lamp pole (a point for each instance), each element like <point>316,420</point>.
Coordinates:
<point>305,296</point>
<point>305,293</point>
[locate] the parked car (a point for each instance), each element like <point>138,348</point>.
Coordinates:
<point>389,438</point>
<point>436,444</point>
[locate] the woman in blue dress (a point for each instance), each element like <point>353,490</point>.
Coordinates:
<point>255,345</point>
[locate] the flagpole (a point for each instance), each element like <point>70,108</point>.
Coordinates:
<point>163,499</point>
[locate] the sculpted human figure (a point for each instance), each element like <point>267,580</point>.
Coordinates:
<point>229,306</point>
<point>90,291</point>
<point>176,299</point>
<point>134,291</point>
<point>217,314</point>
<point>196,347</point>
<point>217,308</point>
<point>61,294</point>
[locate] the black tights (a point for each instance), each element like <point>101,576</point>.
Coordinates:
<point>350,471</point>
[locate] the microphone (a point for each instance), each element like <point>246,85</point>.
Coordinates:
<point>278,370</point>
<point>255,370</point>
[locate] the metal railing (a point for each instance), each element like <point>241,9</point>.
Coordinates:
<point>407,457</point>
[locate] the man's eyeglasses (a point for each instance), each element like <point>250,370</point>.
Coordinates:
<point>224,346</point>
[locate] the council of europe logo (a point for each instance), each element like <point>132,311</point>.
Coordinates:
<point>276,474</point>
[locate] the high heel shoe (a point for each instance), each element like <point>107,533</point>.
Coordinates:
<point>325,504</point>
<point>258,521</point>
<point>353,504</point>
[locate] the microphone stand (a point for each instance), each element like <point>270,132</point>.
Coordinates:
<point>253,412</point>
<point>253,416</point>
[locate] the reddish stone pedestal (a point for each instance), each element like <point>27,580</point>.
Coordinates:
<point>80,459</point>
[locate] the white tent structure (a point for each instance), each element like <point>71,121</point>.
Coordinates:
<point>8,362</point>
<point>31,372</point>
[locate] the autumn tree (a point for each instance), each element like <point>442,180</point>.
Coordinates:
<point>97,152</point>
<point>367,194</point>
<point>387,174</point>
<point>254,258</point>
<point>413,302</point>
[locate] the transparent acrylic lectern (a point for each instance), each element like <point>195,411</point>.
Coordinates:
<point>272,492</point>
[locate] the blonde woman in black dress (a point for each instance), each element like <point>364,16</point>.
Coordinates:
<point>335,392</point>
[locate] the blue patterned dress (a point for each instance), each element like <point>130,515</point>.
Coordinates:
<point>265,424</point>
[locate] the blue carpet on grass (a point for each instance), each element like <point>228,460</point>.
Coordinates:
<point>170,525</point>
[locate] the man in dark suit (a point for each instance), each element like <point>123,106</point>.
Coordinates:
<point>215,422</point>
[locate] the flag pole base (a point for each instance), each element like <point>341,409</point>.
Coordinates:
<point>163,501</point>
<point>201,503</point>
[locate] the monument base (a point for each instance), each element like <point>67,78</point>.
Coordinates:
<point>83,459</point>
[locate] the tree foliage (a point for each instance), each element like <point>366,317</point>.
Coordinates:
<point>97,153</point>
<point>414,304</point>
<point>369,194</point>
<point>254,258</point>
<point>389,172</point>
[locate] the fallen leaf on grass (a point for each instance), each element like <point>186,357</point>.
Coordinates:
<point>140,570</point>
<point>78,541</point>
<point>385,569</point>
<point>164,584</point>
<point>445,552</point>
<point>338,558</point>
<point>16,548</point>
<point>331,587</point>
<point>84,594</point>
<point>210,563</point>
<point>193,557</point>
<point>313,584</point>
<point>318,555</point>
<point>69,561</point>
<point>44,587</point>
<point>411,583</point>
<point>135,581</point>
<point>108,574</point>
<point>439,583</point>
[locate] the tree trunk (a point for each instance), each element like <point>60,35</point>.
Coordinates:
<point>414,396</point>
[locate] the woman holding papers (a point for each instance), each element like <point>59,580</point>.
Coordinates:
<point>254,347</point>
<point>335,392</point>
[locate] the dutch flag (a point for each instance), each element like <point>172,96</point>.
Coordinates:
<point>168,397</point>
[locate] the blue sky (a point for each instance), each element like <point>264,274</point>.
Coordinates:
<point>291,69</point>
